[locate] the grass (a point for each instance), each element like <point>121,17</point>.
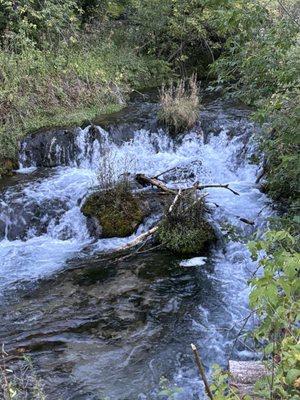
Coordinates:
<point>20,382</point>
<point>185,230</point>
<point>180,105</point>
<point>65,86</point>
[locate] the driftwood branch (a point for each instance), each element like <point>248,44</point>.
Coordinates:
<point>201,371</point>
<point>146,181</point>
<point>139,239</point>
<point>225,186</point>
<point>174,201</point>
<point>154,181</point>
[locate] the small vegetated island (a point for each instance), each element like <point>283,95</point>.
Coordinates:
<point>149,199</point>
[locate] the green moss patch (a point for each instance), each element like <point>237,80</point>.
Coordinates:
<point>185,230</point>
<point>116,210</point>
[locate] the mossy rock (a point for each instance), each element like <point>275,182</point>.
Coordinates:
<point>186,230</point>
<point>184,239</point>
<point>116,211</point>
<point>7,166</point>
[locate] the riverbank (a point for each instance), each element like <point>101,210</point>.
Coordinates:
<point>66,87</point>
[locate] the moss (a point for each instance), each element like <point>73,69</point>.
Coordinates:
<point>186,230</point>
<point>7,166</point>
<point>117,211</point>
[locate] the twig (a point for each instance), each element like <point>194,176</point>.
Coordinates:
<point>242,219</point>
<point>139,239</point>
<point>240,332</point>
<point>288,12</point>
<point>226,186</point>
<point>162,173</point>
<point>201,371</point>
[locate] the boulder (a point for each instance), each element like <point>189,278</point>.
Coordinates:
<point>114,212</point>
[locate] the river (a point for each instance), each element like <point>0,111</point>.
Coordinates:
<point>97,330</point>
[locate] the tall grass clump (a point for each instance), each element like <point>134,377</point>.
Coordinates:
<point>186,230</point>
<point>180,105</point>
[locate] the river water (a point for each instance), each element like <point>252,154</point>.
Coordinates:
<point>96,330</point>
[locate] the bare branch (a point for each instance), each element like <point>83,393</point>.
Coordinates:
<point>225,186</point>
<point>201,371</point>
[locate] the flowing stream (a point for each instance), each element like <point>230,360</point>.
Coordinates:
<point>97,330</point>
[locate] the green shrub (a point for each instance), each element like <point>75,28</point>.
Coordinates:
<point>275,295</point>
<point>180,105</point>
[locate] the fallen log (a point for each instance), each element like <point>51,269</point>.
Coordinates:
<point>144,180</point>
<point>139,239</point>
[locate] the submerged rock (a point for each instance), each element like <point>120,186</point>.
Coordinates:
<point>113,213</point>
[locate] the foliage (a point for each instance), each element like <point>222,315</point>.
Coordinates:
<point>185,230</point>
<point>220,387</point>
<point>260,65</point>
<point>44,22</point>
<point>179,31</point>
<point>168,391</point>
<point>275,295</point>
<point>64,86</point>
<point>180,105</point>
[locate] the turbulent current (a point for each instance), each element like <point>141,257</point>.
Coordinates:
<point>101,331</point>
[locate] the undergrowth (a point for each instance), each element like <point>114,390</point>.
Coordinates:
<point>66,85</point>
<point>19,382</point>
<point>180,105</point>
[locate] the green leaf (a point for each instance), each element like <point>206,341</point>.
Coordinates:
<point>292,375</point>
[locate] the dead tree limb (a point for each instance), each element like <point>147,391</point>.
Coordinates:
<point>225,186</point>
<point>146,181</point>
<point>139,239</point>
<point>201,371</point>
<point>174,201</point>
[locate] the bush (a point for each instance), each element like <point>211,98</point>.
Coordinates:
<point>185,229</point>
<point>180,105</point>
<point>275,296</point>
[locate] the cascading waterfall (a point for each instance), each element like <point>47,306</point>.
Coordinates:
<point>41,225</point>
